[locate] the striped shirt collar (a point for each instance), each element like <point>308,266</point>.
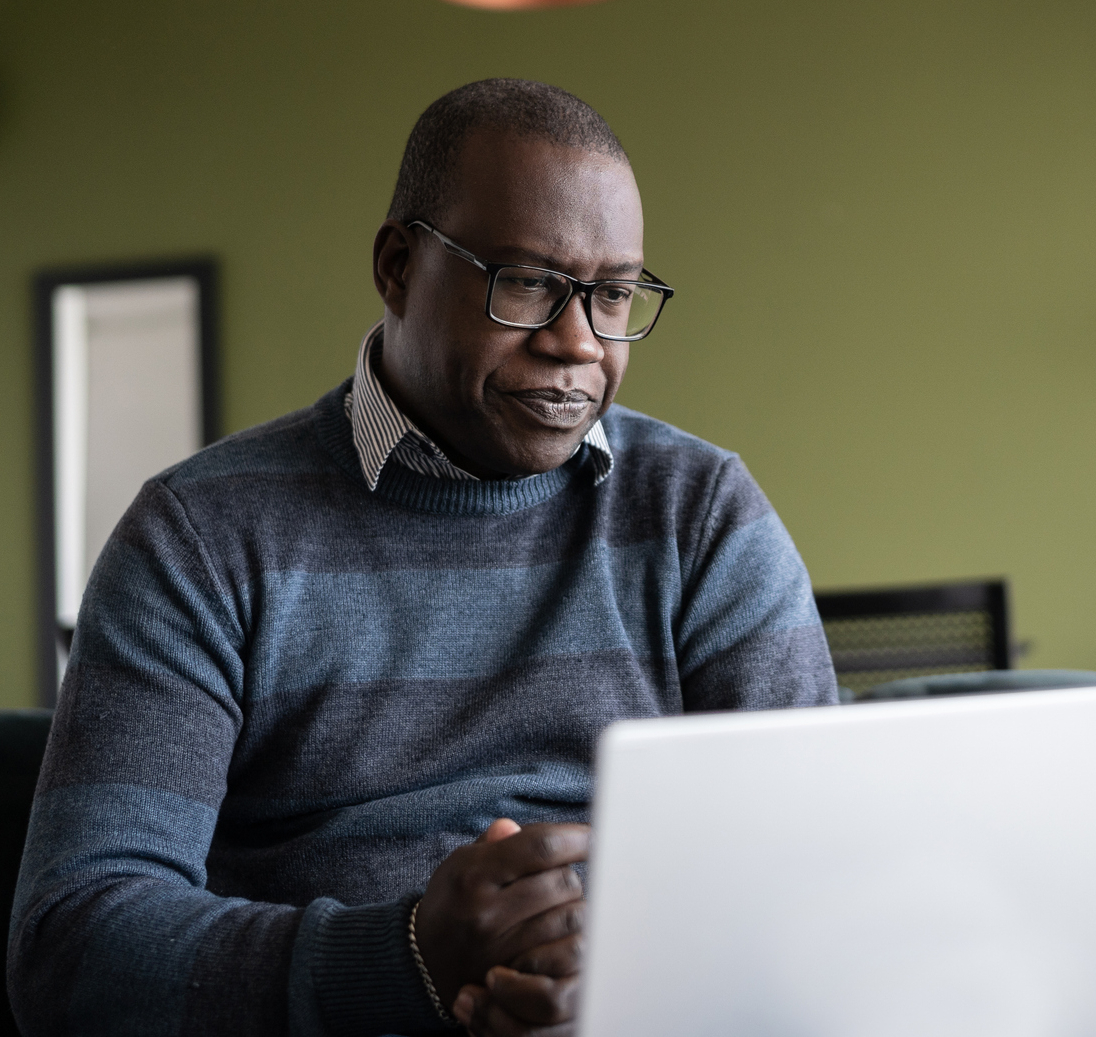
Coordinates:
<point>383,433</point>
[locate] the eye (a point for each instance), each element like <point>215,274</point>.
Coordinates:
<point>615,294</point>
<point>523,283</point>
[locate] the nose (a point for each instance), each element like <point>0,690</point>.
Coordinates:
<point>569,338</point>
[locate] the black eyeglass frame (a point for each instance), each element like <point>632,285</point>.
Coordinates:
<point>587,287</point>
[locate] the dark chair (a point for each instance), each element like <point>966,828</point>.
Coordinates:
<point>878,636</point>
<point>23,734</point>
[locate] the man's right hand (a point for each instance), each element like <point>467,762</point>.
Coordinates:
<point>495,900</point>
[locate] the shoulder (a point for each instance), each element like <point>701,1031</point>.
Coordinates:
<point>628,429</point>
<point>241,506</point>
<point>286,447</point>
<point>656,459</point>
<point>271,480</point>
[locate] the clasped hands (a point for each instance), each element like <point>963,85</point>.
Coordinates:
<point>500,929</point>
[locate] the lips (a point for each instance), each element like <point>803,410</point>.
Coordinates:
<point>559,407</point>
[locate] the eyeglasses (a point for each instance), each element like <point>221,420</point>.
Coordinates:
<point>532,297</point>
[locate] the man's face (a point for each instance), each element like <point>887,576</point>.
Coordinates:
<point>504,401</point>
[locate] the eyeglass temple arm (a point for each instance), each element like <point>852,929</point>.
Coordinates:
<point>463,253</point>
<point>667,291</point>
<point>450,246</point>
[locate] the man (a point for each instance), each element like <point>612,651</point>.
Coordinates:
<point>322,758</point>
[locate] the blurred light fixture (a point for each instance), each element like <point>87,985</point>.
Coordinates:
<point>519,5</point>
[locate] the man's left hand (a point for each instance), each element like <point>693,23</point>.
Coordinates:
<point>519,1004</point>
<point>535,996</point>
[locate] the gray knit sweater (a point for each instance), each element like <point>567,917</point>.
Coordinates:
<point>290,698</point>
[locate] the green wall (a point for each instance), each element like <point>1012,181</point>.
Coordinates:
<point>880,219</point>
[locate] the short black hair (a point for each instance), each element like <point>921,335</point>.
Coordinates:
<point>424,187</point>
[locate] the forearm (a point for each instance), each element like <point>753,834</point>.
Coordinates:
<point>113,932</point>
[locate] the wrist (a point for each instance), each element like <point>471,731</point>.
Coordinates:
<point>424,972</point>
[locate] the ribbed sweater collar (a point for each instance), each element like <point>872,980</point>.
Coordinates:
<point>445,496</point>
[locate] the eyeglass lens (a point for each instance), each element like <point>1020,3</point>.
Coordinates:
<point>523,295</point>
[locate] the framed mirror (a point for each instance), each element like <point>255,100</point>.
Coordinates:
<point>126,379</point>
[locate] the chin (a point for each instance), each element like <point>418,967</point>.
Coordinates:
<point>511,454</point>
<point>542,462</point>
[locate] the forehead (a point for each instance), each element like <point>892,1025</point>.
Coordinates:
<point>563,202</point>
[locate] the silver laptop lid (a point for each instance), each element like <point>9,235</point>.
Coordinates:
<point>890,870</point>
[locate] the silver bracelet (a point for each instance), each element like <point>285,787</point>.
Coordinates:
<point>431,990</point>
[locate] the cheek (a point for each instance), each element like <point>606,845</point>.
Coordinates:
<point>470,366</point>
<point>442,297</point>
<point>496,357</point>
<point>614,365</point>
<point>471,352</point>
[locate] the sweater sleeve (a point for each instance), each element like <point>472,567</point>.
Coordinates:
<point>113,930</point>
<point>749,635</point>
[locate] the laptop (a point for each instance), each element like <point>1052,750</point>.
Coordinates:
<point>912,869</point>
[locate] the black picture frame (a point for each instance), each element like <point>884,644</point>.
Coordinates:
<point>206,274</point>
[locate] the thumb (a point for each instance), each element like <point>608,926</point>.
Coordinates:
<point>499,829</point>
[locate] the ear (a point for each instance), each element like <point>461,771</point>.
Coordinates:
<point>391,257</point>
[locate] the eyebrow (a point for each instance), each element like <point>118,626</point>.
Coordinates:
<point>549,262</point>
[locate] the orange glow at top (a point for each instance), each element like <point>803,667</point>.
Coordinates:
<point>519,5</point>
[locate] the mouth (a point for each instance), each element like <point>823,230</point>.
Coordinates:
<point>557,407</point>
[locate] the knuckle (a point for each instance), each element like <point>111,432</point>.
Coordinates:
<point>568,881</point>
<point>538,991</point>
<point>562,958</point>
<point>574,916</point>
<point>568,998</point>
<point>555,1009</point>
<point>534,961</point>
<point>462,883</point>
<point>547,845</point>
<point>485,922</point>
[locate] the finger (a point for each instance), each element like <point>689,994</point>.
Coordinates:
<point>499,829</point>
<point>470,1001</point>
<point>534,999</point>
<point>537,909</point>
<point>475,1011</point>
<point>537,848</point>
<point>532,894</point>
<point>558,959</point>
<point>504,918</point>
<point>490,1019</point>
<point>544,928</point>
